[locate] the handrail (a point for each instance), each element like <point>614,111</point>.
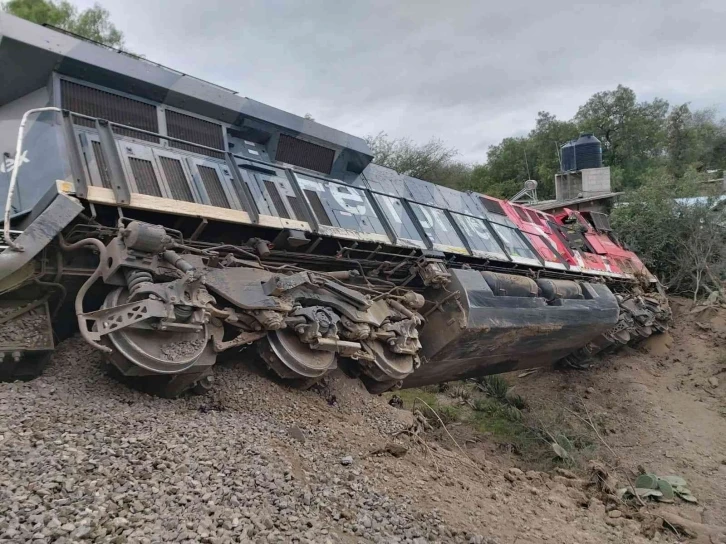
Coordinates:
<point>14,176</point>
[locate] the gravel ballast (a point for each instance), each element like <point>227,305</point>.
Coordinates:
<point>86,458</point>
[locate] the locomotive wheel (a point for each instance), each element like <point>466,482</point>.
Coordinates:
<point>153,351</point>
<point>389,365</point>
<point>288,357</point>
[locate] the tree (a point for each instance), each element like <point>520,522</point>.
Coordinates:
<point>431,161</point>
<point>92,23</point>
<point>515,160</point>
<point>680,139</point>
<point>505,170</point>
<point>633,133</point>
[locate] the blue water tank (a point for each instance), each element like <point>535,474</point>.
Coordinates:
<point>567,154</point>
<point>581,154</point>
<point>588,152</point>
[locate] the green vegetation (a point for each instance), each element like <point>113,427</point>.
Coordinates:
<point>489,407</point>
<point>682,243</point>
<point>92,23</point>
<point>638,137</point>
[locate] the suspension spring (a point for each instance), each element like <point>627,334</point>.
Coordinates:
<point>183,312</point>
<point>137,278</point>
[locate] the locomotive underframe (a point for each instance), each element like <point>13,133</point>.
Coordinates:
<point>166,304</point>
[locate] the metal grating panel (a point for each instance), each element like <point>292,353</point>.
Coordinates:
<point>112,107</point>
<point>213,185</point>
<point>176,179</point>
<point>199,131</point>
<point>492,205</point>
<point>145,176</point>
<point>601,221</point>
<point>102,164</point>
<point>298,208</point>
<point>317,207</point>
<point>276,199</point>
<point>535,218</point>
<point>301,153</point>
<point>522,214</point>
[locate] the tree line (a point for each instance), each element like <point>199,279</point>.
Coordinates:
<point>640,139</point>
<point>93,23</point>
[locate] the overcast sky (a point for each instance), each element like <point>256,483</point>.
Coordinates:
<point>468,72</point>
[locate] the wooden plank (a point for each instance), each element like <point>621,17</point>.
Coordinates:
<point>101,195</point>
<point>282,223</point>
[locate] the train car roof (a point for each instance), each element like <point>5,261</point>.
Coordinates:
<point>44,50</point>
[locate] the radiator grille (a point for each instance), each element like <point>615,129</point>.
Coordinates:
<point>145,176</point>
<point>276,199</point>
<point>492,205</point>
<point>213,185</point>
<point>104,105</point>
<point>301,153</point>
<point>102,165</point>
<point>195,130</point>
<point>317,207</point>
<point>175,178</point>
<point>298,208</point>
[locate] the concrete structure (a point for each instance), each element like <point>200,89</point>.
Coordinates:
<point>581,190</point>
<point>582,183</point>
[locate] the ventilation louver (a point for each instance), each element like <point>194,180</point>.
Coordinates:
<point>276,199</point>
<point>523,214</point>
<point>112,107</point>
<point>492,205</point>
<point>317,206</point>
<point>213,185</point>
<point>145,177</point>
<point>198,131</point>
<point>601,221</point>
<point>175,178</point>
<point>297,208</point>
<point>305,154</point>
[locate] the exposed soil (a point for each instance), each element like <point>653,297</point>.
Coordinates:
<point>87,459</point>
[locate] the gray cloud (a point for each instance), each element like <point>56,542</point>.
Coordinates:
<point>468,72</point>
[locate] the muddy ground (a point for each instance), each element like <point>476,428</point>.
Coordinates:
<point>87,459</point>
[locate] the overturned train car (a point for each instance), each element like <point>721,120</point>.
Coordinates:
<point>173,223</point>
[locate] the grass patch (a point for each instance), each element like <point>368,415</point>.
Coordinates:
<point>448,412</point>
<point>488,406</point>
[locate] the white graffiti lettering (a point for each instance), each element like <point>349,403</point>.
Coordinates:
<point>389,203</point>
<point>349,199</point>
<point>8,165</point>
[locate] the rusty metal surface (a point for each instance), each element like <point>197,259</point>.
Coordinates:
<point>242,287</point>
<point>286,354</point>
<point>497,334</point>
<point>38,235</point>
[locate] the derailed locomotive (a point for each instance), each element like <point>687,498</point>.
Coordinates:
<point>171,222</point>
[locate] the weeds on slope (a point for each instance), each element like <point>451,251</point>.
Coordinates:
<point>542,436</point>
